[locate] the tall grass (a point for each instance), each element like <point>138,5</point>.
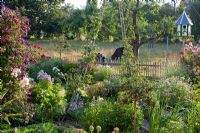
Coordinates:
<point>158,52</point>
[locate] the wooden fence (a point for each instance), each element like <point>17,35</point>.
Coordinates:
<point>146,68</point>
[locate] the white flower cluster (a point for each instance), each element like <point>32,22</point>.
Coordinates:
<point>57,71</point>
<point>23,82</point>
<point>15,72</point>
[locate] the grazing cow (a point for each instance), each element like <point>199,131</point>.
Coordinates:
<point>118,53</point>
<point>101,58</point>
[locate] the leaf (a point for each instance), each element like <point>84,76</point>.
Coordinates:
<point>7,120</point>
<point>2,95</point>
<point>6,104</point>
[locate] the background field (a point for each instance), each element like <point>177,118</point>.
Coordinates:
<point>158,52</point>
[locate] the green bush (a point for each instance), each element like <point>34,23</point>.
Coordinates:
<point>47,66</point>
<point>49,100</point>
<point>110,115</point>
<point>162,121</point>
<point>40,128</point>
<point>173,91</point>
<point>193,118</point>
<point>102,72</point>
<point>67,67</point>
<point>177,71</point>
<point>106,88</point>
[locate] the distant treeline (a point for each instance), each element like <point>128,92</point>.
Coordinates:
<point>53,18</point>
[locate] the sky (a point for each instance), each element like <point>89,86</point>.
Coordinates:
<point>82,3</point>
<point>77,3</point>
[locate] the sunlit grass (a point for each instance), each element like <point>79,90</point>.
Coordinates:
<point>157,53</point>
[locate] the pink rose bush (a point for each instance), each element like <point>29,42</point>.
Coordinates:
<point>191,58</point>
<point>16,54</point>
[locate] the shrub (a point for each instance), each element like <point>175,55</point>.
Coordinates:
<point>67,67</point>
<point>191,59</point>
<point>193,118</point>
<point>49,65</point>
<point>15,54</point>
<point>177,71</point>
<point>106,88</point>
<point>173,91</point>
<point>102,72</point>
<point>49,100</point>
<point>45,64</point>
<point>110,115</point>
<point>41,128</point>
<point>162,121</point>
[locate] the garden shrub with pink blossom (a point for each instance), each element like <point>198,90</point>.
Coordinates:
<point>191,58</point>
<point>15,55</point>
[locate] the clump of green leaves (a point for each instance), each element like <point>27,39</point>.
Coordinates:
<point>102,72</point>
<point>49,100</point>
<point>110,115</point>
<point>134,85</point>
<point>173,91</point>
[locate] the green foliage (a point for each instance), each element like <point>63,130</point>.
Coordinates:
<point>67,67</point>
<point>177,119</point>
<point>102,72</point>
<point>193,118</point>
<point>173,91</point>
<point>165,121</point>
<point>47,66</point>
<point>15,53</point>
<point>176,71</point>
<point>44,64</point>
<point>191,59</point>
<point>108,88</point>
<point>195,17</point>
<point>49,100</point>
<point>44,15</point>
<point>109,115</point>
<point>135,86</point>
<point>112,86</point>
<point>110,24</point>
<point>40,128</point>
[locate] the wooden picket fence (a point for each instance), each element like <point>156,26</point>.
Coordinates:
<point>146,68</point>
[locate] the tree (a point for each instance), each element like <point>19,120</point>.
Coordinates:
<point>93,2</point>
<point>134,85</point>
<point>43,14</point>
<point>146,23</point>
<point>195,16</point>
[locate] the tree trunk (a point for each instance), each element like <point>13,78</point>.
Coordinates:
<point>135,117</point>
<point>136,42</point>
<point>136,49</point>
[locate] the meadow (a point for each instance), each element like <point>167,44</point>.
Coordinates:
<point>157,52</point>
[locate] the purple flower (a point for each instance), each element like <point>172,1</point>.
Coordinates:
<point>26,20</point>
<point>43,76</point>
<point>5,39</point>
<point>190,44</point>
